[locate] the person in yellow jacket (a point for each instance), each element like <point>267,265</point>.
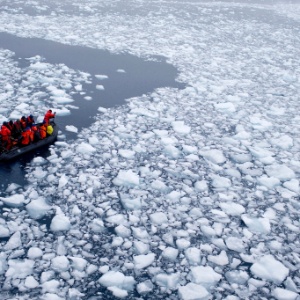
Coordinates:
<point>49,129</point>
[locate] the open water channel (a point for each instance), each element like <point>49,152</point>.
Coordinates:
<point>140,77</point>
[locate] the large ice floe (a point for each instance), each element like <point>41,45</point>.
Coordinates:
<point>179,194</point>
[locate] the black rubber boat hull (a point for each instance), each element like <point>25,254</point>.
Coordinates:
<point>17,152</point>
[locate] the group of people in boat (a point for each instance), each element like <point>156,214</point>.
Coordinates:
<point>25,131</point>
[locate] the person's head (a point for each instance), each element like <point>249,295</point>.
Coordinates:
<point>31,117</point>
<point>11,122</point>
<point>50,110</point>
<point>23,118</point>
<point>4,123</point>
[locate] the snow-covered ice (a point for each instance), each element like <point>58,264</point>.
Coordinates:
<point>188,193</point>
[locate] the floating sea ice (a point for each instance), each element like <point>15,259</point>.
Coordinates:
<point>282,172</point>
<point>231,208</point>
<point>282,294</point>
<point>221,259</point>
<point>126,178</point>
<point>144,287</point>
<point>123,231</point>
<point>38,208</point>
<point>284,142</point>
<point>85,148</point>
<point>126,153</point>
<point>170,253</point>
<point>101,77</point>
<point>226,107</point>
<point>100,87</point>
<point>78,263</point>
<point>19,268</point>
<point>144,260</point>
<point>158,218</point>
<point>121,71</point>
<point>193,255</point>
<point>237,276</point>
<point>88,98</point>
<point>71,128</point>
<point>257,225</point>
<point>51,296</point>
<point>117,292</point>
<point>34,253</point>
<point>292,185</point>
<point>62,100</point>
<point>204,276</point>
<point>140,247</point>
<point>172,151</point>
<point>4,231</point>
<point>220,182</point>
<point>180,127</point>
<point>235,244</point>
<point>193,291</point>
<point>14,242</point>
<point>214,155</point>
<point>60,222</point>
<point>39,66</point>
<point>268,268</point>
<point>78,87</point>
<point>131,204</point>
<point>201,186</point>
<point>31,283</point>
<point>50,286</point>
<point>102,109</point>
<point>269,182</point>
<point>169,281</point>
<point>182,243</point>
<point>60,263</point>
<point>118,279</point>
<point>14,200</point>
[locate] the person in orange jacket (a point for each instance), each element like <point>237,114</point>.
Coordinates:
<point>43,130</point>
<point>35,134</point>
<point>26,137</point>
<point>49,115</point>
<point>6,136</point>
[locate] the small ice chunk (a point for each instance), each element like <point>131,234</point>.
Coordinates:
<point>169,281</point>
<point>201,186</point>
<point>158,218</point>
<point>144,260</point>
<point>14,242</point>
<point>126,153</point>
<point>268,268</point>
<point>193,255</point>
<point>117,292</point>
<point>193,291</point>
<point>126,178</point>
<point>231,208</point>
<point>220,182</point>
<point>78,263</point>
<point>214,155</point>
<point>121,71</point>
<point>31,282</point>
<point>118,279</point>
<point>60,222</point>
<point>34,253</point>
<point>282,294</point>
<point>19,268</point>
<point>282,172</point>
<point>100,87</point>
<point>235,244</point>
<point>144,287</point>
<point>170,253</point>
<point>101,77</point>
<point>257,225</point>
<point>60,263</point>
<point>180,127</point>
<point>14,200</point>
<point>85,148</point>
<point>38,208</point>
<point>204,276</point>
<point>221,259</point>
<point>71,128</point>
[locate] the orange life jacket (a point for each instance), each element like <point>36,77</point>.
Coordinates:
<point>43,131</point>
<point>25,137</point>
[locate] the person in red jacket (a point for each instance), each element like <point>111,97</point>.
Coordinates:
<point>6,136</point>
<point>49,115</point>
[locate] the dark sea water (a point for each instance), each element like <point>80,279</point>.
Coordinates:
<point>141,77</point>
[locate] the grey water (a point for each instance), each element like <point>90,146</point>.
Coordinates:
<point>141,77</point>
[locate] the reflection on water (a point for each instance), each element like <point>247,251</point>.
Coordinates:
<point>141,77</point>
